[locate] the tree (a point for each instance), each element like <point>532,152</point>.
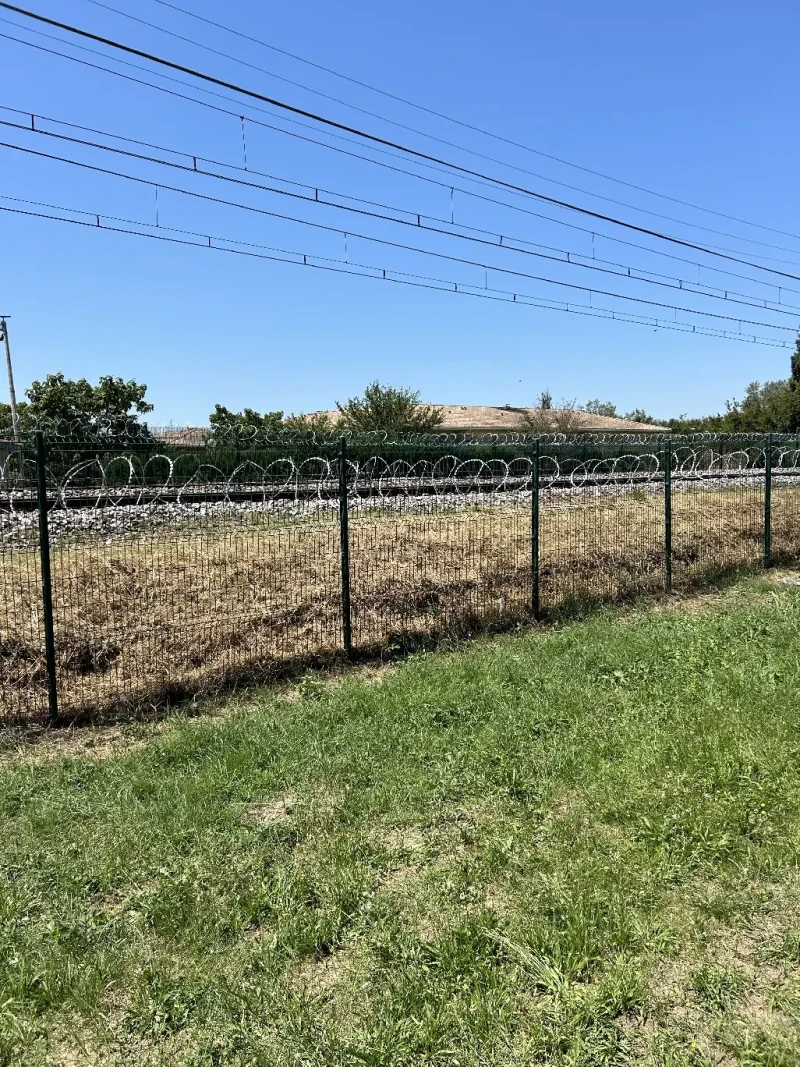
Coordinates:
<point>601,407</point>
<point>768,407</point>
<point>547,419</point>
<point>795,379</point>
<point>249,424</point>
<point>382,407</point>
<point>317,422</point>
<point>793,400</point>
<point>112,406</point>
<point>6,423</point>
<point>640,415</point>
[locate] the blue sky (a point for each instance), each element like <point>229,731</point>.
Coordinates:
<point>694,100</point>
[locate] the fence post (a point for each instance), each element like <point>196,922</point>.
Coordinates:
<point>667,460</point>
<point>768,503</point>
<point>344,530</point>
<point>47,584</point>
<point>535,597</point>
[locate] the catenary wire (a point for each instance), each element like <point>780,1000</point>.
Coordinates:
<point>439,140</point>
<point>420,281</point>
<point>393,244</point>
<point>625,268</point>
<point>445,185</point>
<point>499,241</point>
<point>370,137</point>
<point>469,126</point>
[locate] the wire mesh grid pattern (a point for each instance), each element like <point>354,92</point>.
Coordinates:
<point>135,575</point>
<point>23,676</point>
<point>438,544</point>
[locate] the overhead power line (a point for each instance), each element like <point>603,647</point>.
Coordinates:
<point>370,137</point>
<point>417,221</point>
<point>460,122</point>
<point>432,137</point>
<point>402,278</point>
<point>398,244</point>
<point>447,185</point>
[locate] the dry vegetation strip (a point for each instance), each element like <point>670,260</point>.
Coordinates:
<point>179,609</point>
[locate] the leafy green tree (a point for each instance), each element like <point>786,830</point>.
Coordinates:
<point>112,406</point>
<point>606,408</point>
<point>250,423</point>
<point>640,415</point>
<point>247,423</point>
<point>764,409</point>
<point>25,419</point>
<point>793,400</point>
<point>382,407</point>
<point>318,422</point>
<point>545,401</point>
<point>683,424</point>
<point>601,407</point>
<point>768,407</point>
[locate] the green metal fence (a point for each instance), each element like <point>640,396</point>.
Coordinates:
<point>135,573</point>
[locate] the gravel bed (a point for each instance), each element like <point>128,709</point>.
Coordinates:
<point>113,521</point>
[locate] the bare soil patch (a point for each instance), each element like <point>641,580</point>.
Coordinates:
<point>277,812</point>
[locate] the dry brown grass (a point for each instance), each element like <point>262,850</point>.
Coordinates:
<point>277,812</point>
<point>153,617</point>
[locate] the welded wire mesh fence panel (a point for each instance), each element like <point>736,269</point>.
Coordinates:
<point>785,503</point>
<point>439,544</point>
<point>175,574</point>
<point>717,508</point>
<point>601,523</point>
<point>180,566</point>
<point>23,677</point>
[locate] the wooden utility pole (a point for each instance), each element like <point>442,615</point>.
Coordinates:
<point>11,392</point>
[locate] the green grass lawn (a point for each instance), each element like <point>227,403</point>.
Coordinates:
<point>570,847</point>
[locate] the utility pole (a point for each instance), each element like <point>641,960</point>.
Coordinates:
<point>11,392</point>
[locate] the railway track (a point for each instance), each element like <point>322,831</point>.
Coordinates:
<point>328,489</point>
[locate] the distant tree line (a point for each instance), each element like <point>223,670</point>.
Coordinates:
<point>118,406</point>
<point>248,422</point>
<point>382,407</point>
<point>766,407</point>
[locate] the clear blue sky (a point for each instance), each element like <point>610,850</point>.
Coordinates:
<point>696,100</point>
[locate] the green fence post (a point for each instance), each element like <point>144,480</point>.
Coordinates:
<point>768,503</point>
<point>667,460</point>
<point>47,584</point>
<point>535,597</point>
<point>344,531</point>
